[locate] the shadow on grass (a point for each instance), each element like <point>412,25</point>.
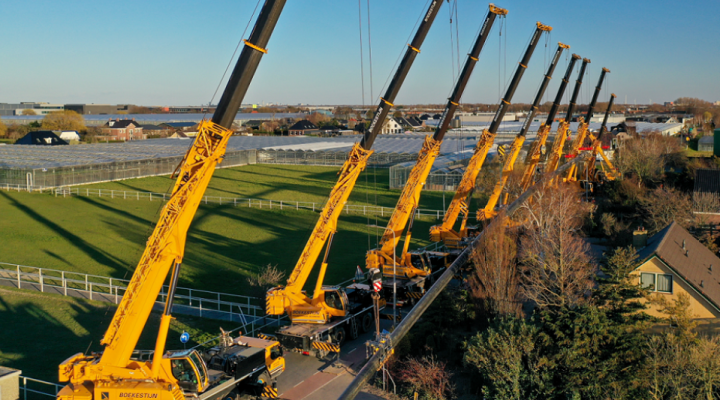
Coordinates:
<point>93,252</point>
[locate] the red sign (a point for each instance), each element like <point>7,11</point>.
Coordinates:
<point>377,285</point>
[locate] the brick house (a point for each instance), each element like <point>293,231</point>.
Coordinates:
<point>123,129</point>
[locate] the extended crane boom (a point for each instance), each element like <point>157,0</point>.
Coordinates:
<point>583,127</point>
<point>166,246</point>
<point>509,162</point>
<point>445,232</point>
<point>291,298</point>
<point>562,131</point>
<point>536,149</point>
<point>608,169</point>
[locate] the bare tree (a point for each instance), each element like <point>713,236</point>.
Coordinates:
<point>645,158</point>
<point>665,205</point>
<point>706,202</point>
<point>427,375</point>
<point>269,276</point>
<point>495,282</point>
<point>557,267</point>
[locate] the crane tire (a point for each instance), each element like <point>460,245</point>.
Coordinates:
<point>339,336</point>
<point>366,323</point>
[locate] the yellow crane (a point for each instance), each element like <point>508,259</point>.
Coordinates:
<point>114,374</point>
<point>582,129</point>
<point>320,322</point>
<point>562,133</point>
<point>609,171</point>
<point>459,206</point>
<point>536,149</point>
<point>509,162</point>
<point>414,273</point>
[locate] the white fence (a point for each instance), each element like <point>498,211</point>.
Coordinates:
<point>246,310</point>
<point>37,388</point>
<point>243,202</point>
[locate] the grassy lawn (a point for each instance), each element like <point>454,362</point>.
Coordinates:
<point>40,330</point>
<point>694,153</point>
<point>225,244</point>
<point>286,182</point>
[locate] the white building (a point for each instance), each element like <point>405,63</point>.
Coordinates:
<point>68,135</point>
<point>391,126</point>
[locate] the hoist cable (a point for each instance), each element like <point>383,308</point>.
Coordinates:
<point>372,96</point>
<point>362,68</point>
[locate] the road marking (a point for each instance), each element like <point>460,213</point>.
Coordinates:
<point>351,350</point>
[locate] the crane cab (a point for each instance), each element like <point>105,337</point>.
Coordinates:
<point>188,368</point>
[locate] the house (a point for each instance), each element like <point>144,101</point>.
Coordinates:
<point>391,125</point>
<point>303,127</point>
<point>253,124</point>
<point>410,123</point>
<point>155,130</point>
<point>706,143</point>
<point>123,129</point>
<point>41,138</point>
<point>182,126</point>
<point>672,262</point>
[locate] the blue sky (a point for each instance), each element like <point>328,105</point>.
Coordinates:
<point>174,52</point>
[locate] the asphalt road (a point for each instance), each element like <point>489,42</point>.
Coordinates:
<point>308,378</point>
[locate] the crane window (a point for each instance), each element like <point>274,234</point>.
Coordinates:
<point>199,365</point>
<point>332,299</point>
<point>183,371</point>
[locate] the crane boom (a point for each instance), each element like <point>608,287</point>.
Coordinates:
<point>165,247</point>
<point>533,157</point>
<point>384,256</point>
<point>607,166</point>
<point>291,297</point>
<point>583,127</point>
<point>562,131</point>
<point>509,162</point>
<point>459,205</point>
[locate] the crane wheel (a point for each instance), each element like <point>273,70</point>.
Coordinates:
<point>339,336</point>
<point>366,323</point>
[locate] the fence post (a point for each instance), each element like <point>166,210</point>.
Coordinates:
<point>42,287</point>
<point>24,388</point>
<point>116,295</point>
<point>124,195</point>
<point>87,192</point>
<point>112,194</point>
<point>281,204</point>
<point>150,196</point>
<point>218,301</point>
<point>91,291</point>
<point>86,282</point>
<point>313,206</point>
<point>18,276</point>
<point>235,202</point>
<point>163,196</point>
<point>200,298</point>
<point>138,195</point>
<point>297,205</point>
<point>64,282</point>
<point>190,295</point>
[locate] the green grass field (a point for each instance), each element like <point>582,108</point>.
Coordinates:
<point>225,244</point>
<point>40,330</point>
<point>286,182</point>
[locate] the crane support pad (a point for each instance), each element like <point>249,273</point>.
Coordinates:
<point>414,295</point>
<point>270,392</point>
<point>325,346</point>
<point>267,337</point>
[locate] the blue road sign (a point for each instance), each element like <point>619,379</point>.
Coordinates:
<point>184,337</point>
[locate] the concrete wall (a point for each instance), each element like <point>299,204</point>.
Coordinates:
<point>9,383</point>
<point>698,305</point>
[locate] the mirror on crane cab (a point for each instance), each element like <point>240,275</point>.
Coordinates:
<point>189,370</point>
